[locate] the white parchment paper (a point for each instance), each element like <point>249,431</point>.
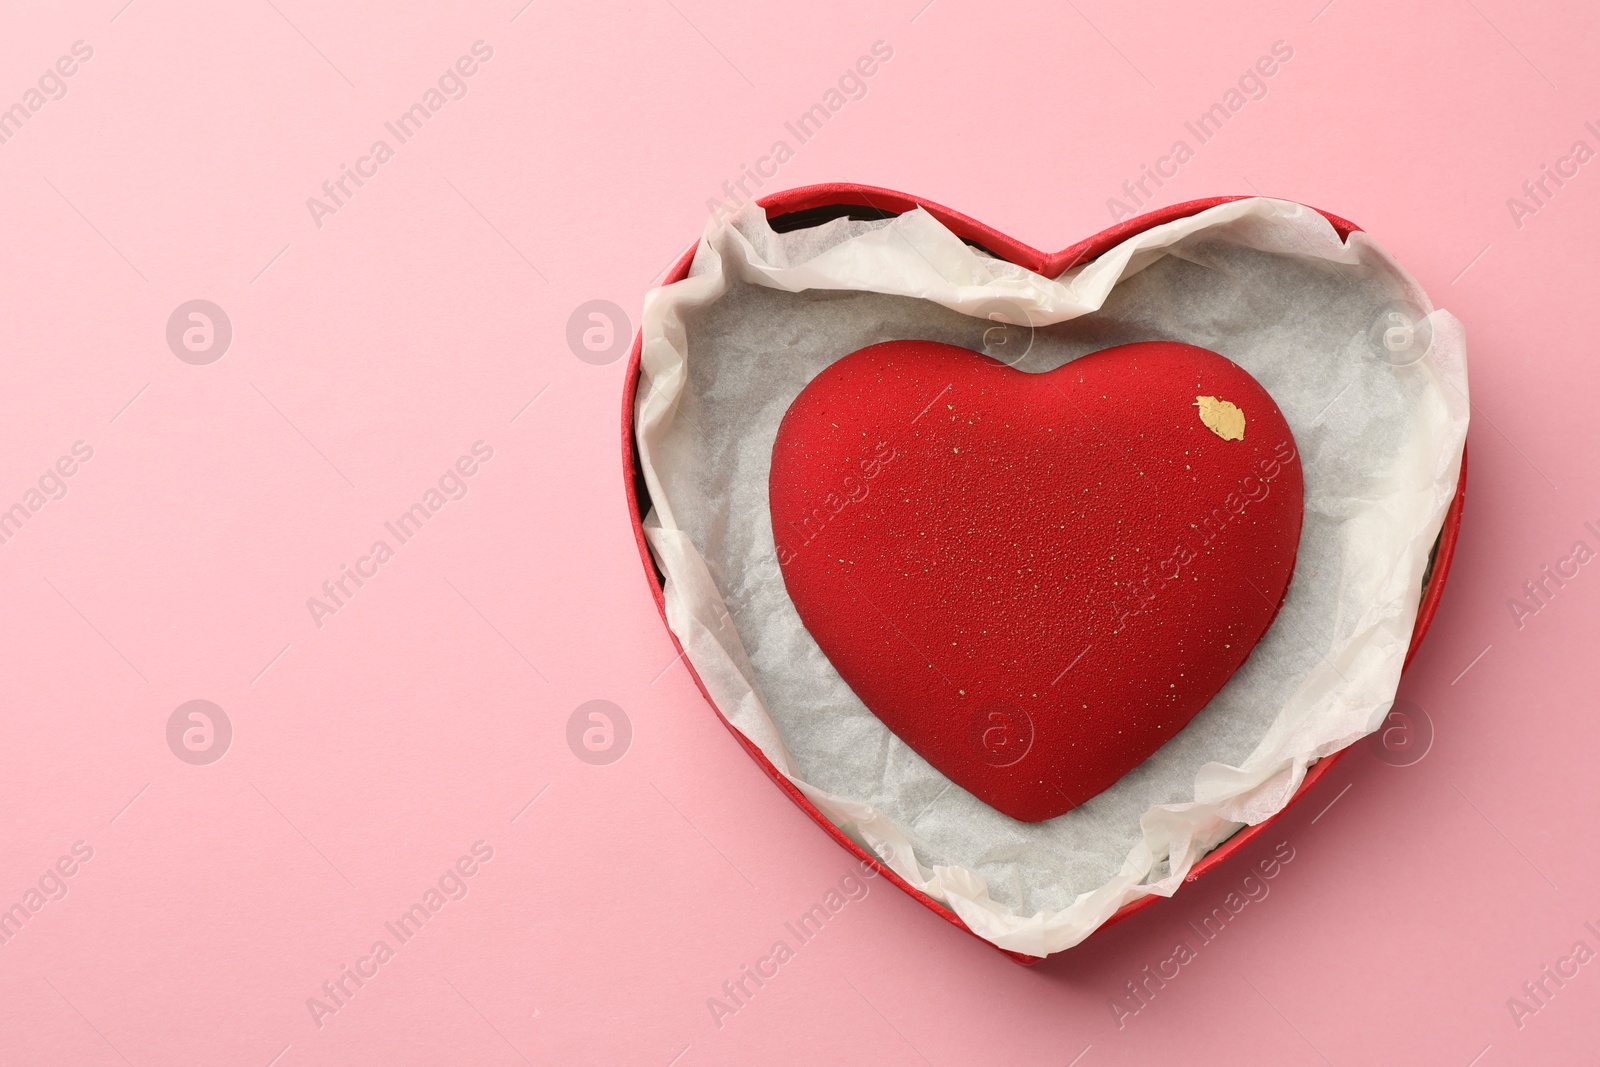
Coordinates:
<point>1372,381</point>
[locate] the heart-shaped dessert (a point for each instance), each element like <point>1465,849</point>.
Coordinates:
<point>1035,580</point>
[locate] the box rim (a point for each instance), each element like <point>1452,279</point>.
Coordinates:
<point>1051,265</point>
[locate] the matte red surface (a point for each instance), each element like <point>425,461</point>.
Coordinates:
<point>1034,580</point>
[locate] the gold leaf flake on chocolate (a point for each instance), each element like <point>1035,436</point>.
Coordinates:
<point>1221,417</point>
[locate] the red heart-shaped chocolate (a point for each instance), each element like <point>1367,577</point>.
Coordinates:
<point>1035,580</point>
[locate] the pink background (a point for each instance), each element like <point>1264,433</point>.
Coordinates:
<point>370,753</point>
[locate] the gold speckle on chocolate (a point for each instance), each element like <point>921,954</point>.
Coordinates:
<point>1221,417</point>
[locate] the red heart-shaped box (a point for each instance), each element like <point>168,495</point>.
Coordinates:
<point>817,204</point>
